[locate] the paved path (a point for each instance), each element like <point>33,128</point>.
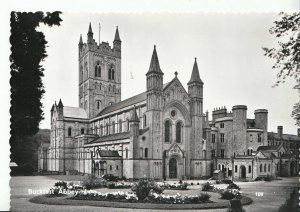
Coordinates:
<point>274,194</point>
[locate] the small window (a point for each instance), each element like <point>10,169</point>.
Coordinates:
<point>259,138</point>
<point>145,120</point>
<point>117,167</point>
<point>120,126</point>
<point>269,168</point>
<point>82,131</point>
<point>69,131</point>
<point>251,138</point>
<point>265,168</point>
<point>128,126</point>
<point>113,127</point>
<point>222,137</point>
<point>126,153</point>
<point>249,169</point>
<point>178,132</point>
<point>235,168</point>
<point>222,153</point>
<point>260,168</point>
<point>213,153</point>
<point>167,131</point>
<point>213,138</point>
<point>222,125</point>
<point>146,152</point>
<point>110,167</point>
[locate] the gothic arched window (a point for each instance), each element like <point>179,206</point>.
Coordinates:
<point>167,131</point>
<point>107,129</point>
<point>260,168</point>
<point>113,127</point>
<point>120,125</point>
<point>178,132</point>
<point>69,131</point>
<point>101,130</point>
<point>265,168</point>
<point>144,121</point>
<point>126,152</point>
<point>111,73</point>
<point>81,73</point>
<point>98,70</point>
<point>98,104</point>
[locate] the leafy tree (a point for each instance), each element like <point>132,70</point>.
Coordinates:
<point>28,50</point>
<point>287,54</point>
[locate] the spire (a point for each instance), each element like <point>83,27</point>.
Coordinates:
<point>80,40</point>
<point>52,108</point>
<point>60,104</point>
<point>154,64</point>
<point>195,74</point>
<point>117,36</point>
<point>90,29</point>
<point>133,115</point>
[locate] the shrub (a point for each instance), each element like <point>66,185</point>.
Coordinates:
<point>291,204</point>
<point>143,187</point>
<point>264,178</point>
<point>198,183</point>
<point>235,206</point>
<point>207,187</point>
<point>192,183</point>
<point>111,185</point>
<point>204,197</point>
<point>90,183</point>
<point>223,181</point>
<point>230,194</point>
<point>233,186</point>
<point>61,184</point>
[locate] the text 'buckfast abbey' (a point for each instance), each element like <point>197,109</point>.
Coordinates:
<point>161,133</point>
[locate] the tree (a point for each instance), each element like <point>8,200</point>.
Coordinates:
<point>28,50</point>
<point>287,54</point>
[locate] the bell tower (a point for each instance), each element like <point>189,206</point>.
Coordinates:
<point>99,73</point>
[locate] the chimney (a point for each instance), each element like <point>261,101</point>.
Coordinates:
<point>279,131</point>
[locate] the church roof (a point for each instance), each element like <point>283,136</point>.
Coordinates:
<point>126,103</point>
<point>154,64</point>
<point>117,36</point>
<point>116,136</point>
<point>108,153</point>
<point>195,77</point>
<point>285,137</point>
<point>268,148</point>
<point>74,112</point>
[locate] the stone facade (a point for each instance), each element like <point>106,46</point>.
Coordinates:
<point>161,133</point>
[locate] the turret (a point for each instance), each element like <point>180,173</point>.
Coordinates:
<point>117,43</point>
<point>80,44</point>
<point>195,91</point>
<point>60,109</point>
<point>134,131</point>
<point>90,35</point>
<point>154,83</point>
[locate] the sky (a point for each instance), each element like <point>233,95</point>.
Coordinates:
<point>228,47</point>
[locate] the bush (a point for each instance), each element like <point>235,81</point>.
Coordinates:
<point>235,206</point>
<point>61,184</point>
<point>90,183</point>
<point>143,188</point>
<point>111,185</point>
<point>204,197</point>
<point>264,178</point>
<point>230,194</point>
<point>233,186</point>
<point>207,187</point>
<point>223,181</point>
<point>291,204</point>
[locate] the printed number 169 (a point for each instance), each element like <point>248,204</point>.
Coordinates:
<point>259,194</point>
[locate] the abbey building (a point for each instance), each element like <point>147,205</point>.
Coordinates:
<point>161,133</point>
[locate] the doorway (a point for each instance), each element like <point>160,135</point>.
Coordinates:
<point>173,168</point>
<point>243,172</point>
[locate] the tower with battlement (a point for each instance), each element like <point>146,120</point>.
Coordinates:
<point>99,73</point>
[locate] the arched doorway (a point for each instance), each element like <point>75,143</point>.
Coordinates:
<point>243,172</point>
<point>173,168</point>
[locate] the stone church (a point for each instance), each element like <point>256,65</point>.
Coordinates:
<point>161,133</point>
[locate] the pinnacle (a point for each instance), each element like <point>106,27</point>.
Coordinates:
<point>154,64</point>
<point>195,77</point>
<point>133,115</point>
<point>117,36</point>
<point>90,29</point>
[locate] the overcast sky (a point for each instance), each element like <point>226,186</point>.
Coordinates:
<point>227,45</point>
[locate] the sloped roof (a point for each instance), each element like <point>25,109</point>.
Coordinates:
<point>285,137</point>
<point>269,154</point>
<point>74,112</point>
<point>125,103</point>
<point>268,148</point>
<point>108,153</point>
<point>116,136</point>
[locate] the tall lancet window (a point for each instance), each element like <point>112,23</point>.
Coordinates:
<point>98,70</point>
<point>111,73</point>
<point>178,132</point>
<point>167,131</point>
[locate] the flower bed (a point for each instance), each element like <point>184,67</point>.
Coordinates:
<point>121,196</point>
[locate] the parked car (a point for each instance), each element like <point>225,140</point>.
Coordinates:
<point>110,177</point>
